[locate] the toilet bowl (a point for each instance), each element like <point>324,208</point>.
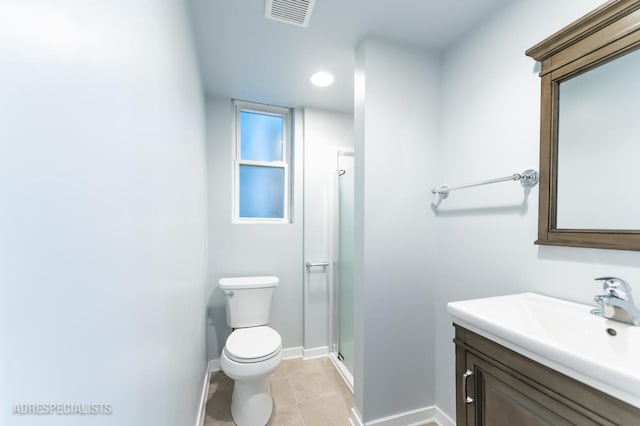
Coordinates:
<point>249,357</point>
<point>253,350</point>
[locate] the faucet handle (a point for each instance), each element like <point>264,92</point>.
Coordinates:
<point>616,287</point>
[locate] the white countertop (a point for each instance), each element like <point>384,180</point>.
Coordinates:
<point>562,335</point>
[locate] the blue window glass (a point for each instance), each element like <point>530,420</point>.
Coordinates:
<point>260,136</point>
<point>261,192</point>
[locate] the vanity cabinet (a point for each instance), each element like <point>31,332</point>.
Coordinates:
<point>496,386</point>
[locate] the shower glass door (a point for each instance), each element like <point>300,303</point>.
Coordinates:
<point>345,267</point>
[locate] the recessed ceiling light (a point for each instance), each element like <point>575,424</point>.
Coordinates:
<point>322,79</point>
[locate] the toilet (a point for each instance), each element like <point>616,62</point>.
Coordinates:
<point>253,350</point>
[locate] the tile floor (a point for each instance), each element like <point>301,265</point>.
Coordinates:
<point>306,393</point>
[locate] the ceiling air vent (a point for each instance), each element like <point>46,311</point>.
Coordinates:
<point>296,12</point>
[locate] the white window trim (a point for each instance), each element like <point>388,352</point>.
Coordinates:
<point>285,113</point>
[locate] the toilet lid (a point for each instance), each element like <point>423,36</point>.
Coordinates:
<point>253,344</point>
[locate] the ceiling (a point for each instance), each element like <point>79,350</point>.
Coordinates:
<point>244,55</point>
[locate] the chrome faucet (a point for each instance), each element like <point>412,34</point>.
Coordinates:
<point>616,303</point>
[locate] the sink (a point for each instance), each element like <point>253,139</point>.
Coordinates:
<point>562,335</point>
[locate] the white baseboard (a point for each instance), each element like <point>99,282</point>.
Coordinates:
<point>356,418</point>
<point>203,397</point>
<point>287,353</point>
<point>342,370</point>
<point>318,352</point>
<point>431,414</point>
<point>443,419</point>
<point>408,418</point>
<point>290,353</point>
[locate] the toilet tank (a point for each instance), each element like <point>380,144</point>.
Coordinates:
<point>248,300</point>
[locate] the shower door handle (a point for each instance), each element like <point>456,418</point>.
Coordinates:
<point>312,264</point>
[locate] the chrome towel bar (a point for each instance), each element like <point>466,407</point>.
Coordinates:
<point>527,178</point>
<point>312,264</point>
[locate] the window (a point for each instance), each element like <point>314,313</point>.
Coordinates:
<point>261,164</point>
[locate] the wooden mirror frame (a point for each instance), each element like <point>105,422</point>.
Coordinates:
<point>604,34</point>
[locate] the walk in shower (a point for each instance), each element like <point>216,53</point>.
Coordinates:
<point>342,347</point>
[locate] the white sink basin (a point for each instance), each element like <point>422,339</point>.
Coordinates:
<point>561,335</point>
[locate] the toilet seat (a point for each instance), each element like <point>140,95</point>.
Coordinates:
<point>253,344</point>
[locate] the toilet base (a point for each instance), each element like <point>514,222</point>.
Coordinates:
<point>251,403</point>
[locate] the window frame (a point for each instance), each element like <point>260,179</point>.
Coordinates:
<point>285,113</point>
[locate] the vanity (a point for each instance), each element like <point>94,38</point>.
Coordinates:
<point>528,359</point>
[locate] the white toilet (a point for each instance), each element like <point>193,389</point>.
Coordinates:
<point>253,351</point>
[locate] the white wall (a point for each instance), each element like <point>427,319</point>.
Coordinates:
<point>325,133</point>
<point>490,128</point>
<point>396,116</point>
<point>103,219</point>
<point>250,249</point>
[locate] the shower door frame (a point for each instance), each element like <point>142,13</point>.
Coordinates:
<point>334,289</point>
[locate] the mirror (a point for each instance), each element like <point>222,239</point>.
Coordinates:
<point>590,130</point>
<point>599,147</point>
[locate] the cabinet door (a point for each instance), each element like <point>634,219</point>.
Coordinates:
<point>502,399</point>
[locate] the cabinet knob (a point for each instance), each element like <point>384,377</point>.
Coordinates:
<point>466,398</point>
